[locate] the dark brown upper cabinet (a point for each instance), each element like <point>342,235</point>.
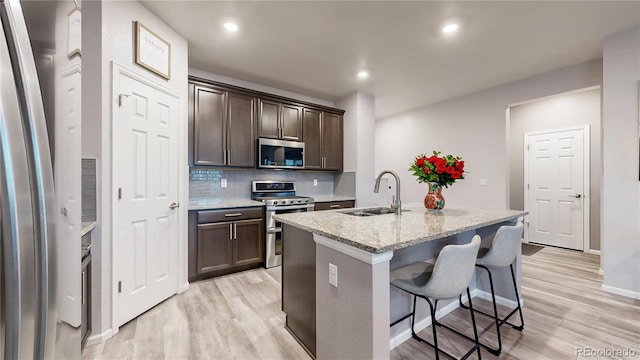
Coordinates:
<point>223,127</point>
<point>277,120</point>
<point>323,140</point>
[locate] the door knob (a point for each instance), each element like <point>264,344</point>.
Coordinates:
<point>577,196</point>
<point>63,211</point>
<point>174,205</point>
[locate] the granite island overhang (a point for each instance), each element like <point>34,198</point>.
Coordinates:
<point>351,320</point>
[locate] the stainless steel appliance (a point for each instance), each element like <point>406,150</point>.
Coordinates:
<point>31,326</point>
<point>280,154</point>
<point>279,198</point>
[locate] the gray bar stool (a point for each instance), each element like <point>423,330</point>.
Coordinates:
<point>502,253</point>
<point>447,278</point>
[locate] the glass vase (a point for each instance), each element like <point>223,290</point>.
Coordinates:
<point>434,199</point>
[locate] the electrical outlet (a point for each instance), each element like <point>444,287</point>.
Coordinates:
<point>484,182</point>
<point>333,275</point>
<point>223,183</point>
<point>315,182</point>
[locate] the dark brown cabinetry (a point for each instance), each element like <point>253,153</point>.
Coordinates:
<point>278,120</point>
<point>85,299</point>
<point>333,205</point>
<point>225,241</point>
<point>323,140</point>
<point>223,124</point>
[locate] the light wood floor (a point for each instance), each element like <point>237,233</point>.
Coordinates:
<point>238,317</point>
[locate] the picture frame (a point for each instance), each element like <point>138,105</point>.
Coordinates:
<point>152,51</point>
<point>74,33</point>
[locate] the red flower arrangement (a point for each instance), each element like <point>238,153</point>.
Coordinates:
<point>443,171</point>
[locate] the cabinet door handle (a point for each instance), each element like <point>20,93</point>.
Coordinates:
<point>228,157</point>
<point>233,215</point>
<point>230,231</point>
<point>235,231</point>
<point>334,206</point>
<point>224,157</point>
<point>84,289</point>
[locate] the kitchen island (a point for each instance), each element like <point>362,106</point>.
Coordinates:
<point>351,320</point>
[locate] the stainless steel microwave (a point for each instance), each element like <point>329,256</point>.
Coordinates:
<point>280,154</point>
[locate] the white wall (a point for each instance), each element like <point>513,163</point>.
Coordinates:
<point>566,110</point>
<point>359,145</point>
<point>621,188</point>
<point>118,24</point>
<point>257,87</point>
<point>474,127</point>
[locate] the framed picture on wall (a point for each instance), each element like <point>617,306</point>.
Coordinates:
<point>152,51</point>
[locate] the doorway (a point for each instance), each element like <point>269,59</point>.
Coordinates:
<point>573,109</point>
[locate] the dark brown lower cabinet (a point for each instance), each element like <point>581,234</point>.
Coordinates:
<point>85,299</point>
<point>225,241</point>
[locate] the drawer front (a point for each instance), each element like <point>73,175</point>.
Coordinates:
<point>334,205</point>
<point>209,216</point>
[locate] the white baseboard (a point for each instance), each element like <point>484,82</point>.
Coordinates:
<point>185,287</point>
<point>595,252</point>
<point>426,322</point>
<point>623,292</point>
<point>99,338</point>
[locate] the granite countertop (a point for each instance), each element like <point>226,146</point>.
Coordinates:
<point>330,198</point>
<point>86,227</point>
<point>218,203</point>
<point>381,233</point>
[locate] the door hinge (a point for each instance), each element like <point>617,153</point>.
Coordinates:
<point>527,224</point>
<point>527,186</point>
<point>119,193</point>
<point>121,98</point>
<point>119,287</point>
<point>528,146</point>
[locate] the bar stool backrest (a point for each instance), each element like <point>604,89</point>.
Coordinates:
<point>504,248</point>
<point>453,270</point>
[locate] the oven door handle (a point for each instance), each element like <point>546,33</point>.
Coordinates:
<point>291,207</point>
<point>274,230</point>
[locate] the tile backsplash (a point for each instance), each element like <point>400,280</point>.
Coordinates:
<point>88,190</point>
<point>207,182</point>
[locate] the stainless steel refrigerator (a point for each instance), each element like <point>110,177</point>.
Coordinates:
<point>30,292</point>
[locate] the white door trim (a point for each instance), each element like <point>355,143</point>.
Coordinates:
<point>116,71</point>
<point>586,178</point>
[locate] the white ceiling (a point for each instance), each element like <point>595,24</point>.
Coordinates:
<point>316,47</point>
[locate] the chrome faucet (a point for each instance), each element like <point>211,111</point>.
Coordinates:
<point>396,203</point>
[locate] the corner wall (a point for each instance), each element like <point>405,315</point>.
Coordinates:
<point>621,188</point>
<point>474,127</point>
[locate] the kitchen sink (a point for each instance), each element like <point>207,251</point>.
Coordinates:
<point>370,211</point>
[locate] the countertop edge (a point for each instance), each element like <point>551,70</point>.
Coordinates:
<point>87,226</point>
<point>401,245</point>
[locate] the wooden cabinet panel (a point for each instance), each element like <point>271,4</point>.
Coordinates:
<point>332,141</point>
<point>269,119</point>
<point>241,144</point>
<point>208,216</point>
<point>209,128</point>
<point>311,135</point>
<point>214,247</point>
<point>291,123</point>
<point>248,242</point>
<point>333,205</point>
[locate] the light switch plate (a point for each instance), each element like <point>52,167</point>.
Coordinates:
<point>333,275</point>
<point>223,183</point>
<point>315,182</point>
<point>484,182</point>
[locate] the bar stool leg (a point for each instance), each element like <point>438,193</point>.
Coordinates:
<point>515,287</point>
<point>432,310</point>
<point>495,314</point>
<point>475,329</point>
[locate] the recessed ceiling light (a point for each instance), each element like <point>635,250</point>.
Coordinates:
<point>450,28</point>
<point>363,75</point>
<point>231,26</point>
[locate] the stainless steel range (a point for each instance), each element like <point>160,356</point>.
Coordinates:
<point>279,198</point>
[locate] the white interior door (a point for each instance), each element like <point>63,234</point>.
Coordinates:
<point>145,161</point>
<point>556,178</point>
<point>68,174</point>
